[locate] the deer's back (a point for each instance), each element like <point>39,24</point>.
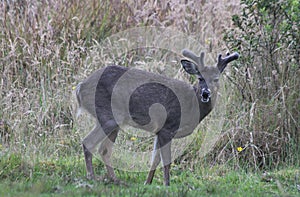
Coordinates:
<point>127,94</point>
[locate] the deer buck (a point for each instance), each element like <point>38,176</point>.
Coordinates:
<point>138,102</point>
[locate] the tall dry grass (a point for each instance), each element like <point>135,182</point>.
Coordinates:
<point>48,46</point>
<point>46,49</point>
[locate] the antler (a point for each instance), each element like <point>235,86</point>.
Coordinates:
<point>198,59</point>
<point>222,62</point>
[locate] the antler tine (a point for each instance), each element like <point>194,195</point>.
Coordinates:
<point>198,59</point>
<point>201,59</point>
<point>222,62</point>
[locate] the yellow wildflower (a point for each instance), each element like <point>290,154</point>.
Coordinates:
<point>133,138</point>
<point>239,149</point>
<point>74,87</point>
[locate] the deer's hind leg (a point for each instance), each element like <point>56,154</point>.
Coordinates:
<point>89,144</point>
<point>105,150</point>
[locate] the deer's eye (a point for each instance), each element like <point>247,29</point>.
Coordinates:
<point>201,79</point>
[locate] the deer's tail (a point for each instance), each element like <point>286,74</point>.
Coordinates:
<point>78,96</point>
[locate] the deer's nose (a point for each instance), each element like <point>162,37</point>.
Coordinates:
<point>205,95</point>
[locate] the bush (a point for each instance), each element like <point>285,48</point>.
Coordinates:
<point>266,119</point>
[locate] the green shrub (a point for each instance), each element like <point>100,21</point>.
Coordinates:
<point>267,35</point>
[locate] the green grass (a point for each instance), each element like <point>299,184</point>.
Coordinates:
<point>66,177</point>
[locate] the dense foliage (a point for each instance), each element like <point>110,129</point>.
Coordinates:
<point>267,35</point>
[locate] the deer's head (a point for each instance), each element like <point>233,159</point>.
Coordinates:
<point>208,76</point>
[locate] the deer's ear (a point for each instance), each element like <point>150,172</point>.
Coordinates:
<point>189,67</point>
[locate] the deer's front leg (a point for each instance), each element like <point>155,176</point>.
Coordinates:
<point>154,163</point>
<point>165,154</point>
<point>164,141</point>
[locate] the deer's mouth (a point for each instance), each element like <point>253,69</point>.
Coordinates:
<point>205,95</point>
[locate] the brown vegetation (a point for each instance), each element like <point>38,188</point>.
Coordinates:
<point>47,46</point>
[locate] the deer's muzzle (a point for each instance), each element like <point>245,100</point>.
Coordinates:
<point>205,95</point>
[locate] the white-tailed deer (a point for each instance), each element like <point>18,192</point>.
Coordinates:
<point>137,102</point>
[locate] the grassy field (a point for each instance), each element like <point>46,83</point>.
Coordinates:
<point>48,47</point>
<point>65,177</point>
